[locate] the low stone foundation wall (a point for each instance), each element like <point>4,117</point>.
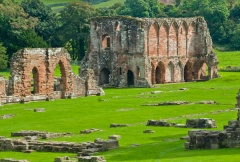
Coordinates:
<point>86,148</point>
<point>205,139</point>
<point>12,160</point>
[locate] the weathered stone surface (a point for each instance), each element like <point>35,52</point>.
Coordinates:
<point>162,123</point>
<point>88,131</point>
<point>64,159</point>
<point>33,134</point>
<point>12,160</point>
<point>91,159</point>
<point>205,139</point>
<point>114,125</point>
<point>39,110</point>
<point>201,123</point>
<point>148,131</point>
<point>7,116</point>
<point>41,62</point>
<point>7,144</point>
<point>207,102</point>
<point>141,52</point>
<point>114,137</point>
<point>173,103</point>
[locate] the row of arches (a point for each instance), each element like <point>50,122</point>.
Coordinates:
<point>177,73</point>
<point>174,40</point>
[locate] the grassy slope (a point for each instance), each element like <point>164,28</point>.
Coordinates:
<point>124,106</point>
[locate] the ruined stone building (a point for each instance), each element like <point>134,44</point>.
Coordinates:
<point>32,77</point>
<point>140,52</point>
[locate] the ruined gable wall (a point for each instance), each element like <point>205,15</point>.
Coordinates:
<point>159,47</point>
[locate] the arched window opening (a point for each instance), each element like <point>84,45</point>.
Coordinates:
<point>95,26</point>
<point>60,77</point>
<point>34,81</point>
<point>138,72</point>
<point>130,78</point>
<point>117,26</point>
<point>119,71</point>
<point>106,42</point>
<point>104,76</point>
<point>203,71</point>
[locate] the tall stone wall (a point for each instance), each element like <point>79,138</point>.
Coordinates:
<point>32,76</point>
<point>125,51</point>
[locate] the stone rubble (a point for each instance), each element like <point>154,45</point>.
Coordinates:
<point>38,134</point>
<point>88,131</point>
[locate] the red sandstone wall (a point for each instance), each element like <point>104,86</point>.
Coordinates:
<point>163,40</point>
<point>2,87</point>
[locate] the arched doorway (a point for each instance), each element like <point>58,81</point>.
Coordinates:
<point>60,77</point>
<point>202,71</point>
<point>160,73</point>
<point>104,76</point>
<point>130,78</point>
<point>188,72</point>
<point>34,81</point>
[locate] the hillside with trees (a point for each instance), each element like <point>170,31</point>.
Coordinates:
<point>32,23</point>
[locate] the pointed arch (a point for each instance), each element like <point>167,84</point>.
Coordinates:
<point>104,76</point>
<point>201,70</point>
<point>60,82</point>
<point>172,39</point>
<point>160,73</point>
<point>35,84</point>
<point>170,72</point>
<point>188,72</point>
<point>191,39</point>
<point>182,39</point>
<point>163,39</point>
<point>130,78</point>
<point>153,39</point>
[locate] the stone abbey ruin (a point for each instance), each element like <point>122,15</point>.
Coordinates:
<point>32,77</point>
<point>140,52</point>
<point>123,51</point>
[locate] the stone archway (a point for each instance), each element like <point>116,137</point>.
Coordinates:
<point>160,73</point>
<point>188,72</point>
<point>60,82</point>
<point>130,78</point>
<point>104,76</point>
<point>35,81</point>
<point>202,70</point>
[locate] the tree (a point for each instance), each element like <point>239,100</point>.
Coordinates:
<point>13,21</point>
<point>141,8</point>
<point>47,21</point>
<point>74,32</point>
<point>3,57</point>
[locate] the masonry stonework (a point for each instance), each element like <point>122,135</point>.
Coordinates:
<point>32,77</point>
<point>140,52</point>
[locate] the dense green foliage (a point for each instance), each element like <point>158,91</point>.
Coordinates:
<point>32,23</point>
<point>3,57</point>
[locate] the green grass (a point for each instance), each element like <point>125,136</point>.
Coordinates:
<point>228,58</point>
<point>124,106</point>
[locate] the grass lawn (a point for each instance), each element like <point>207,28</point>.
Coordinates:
<point>124,106</point>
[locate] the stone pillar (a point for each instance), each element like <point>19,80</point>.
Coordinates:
<point>2,86</point>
